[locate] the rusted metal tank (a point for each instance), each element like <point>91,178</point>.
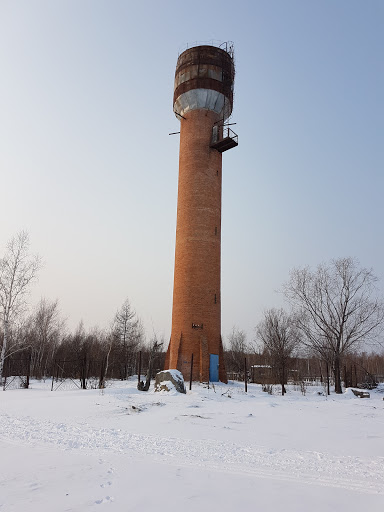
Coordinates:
<point>204,80</point>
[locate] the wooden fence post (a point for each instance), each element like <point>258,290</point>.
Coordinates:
<point>190,378</point>
<point>139,371</point>
<point>245,375</point>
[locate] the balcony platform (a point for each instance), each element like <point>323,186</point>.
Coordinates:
<point>223,138</point>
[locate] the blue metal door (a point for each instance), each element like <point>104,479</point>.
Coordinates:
<point>213,368</point>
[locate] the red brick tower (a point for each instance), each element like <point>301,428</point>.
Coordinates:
<point>203,101</point>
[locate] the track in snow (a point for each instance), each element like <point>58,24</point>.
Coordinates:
<point>364,475</point>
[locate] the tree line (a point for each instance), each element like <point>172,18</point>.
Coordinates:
<point>334,311</point>
<point>40,344</point>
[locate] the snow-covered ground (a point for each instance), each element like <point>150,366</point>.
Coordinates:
<point>211,449</point>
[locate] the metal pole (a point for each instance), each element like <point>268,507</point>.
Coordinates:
<point>53,375</point>
<point>245,374</point>
<point>29,366</point>
<point>190,378</point>
<point>139,372</point>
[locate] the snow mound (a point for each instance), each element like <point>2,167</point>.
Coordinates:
<point>354,393</point>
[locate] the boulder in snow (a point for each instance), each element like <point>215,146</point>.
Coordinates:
<point>168,380</point>
<point>360,393</point>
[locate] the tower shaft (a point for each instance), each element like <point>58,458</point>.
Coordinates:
<point>196,317</point>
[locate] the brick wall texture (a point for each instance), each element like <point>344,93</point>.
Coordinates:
<point>196,315</point>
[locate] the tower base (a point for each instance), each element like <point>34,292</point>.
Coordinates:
<point>206,367</point>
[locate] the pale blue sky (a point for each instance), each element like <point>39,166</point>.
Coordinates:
<point>88,168</point>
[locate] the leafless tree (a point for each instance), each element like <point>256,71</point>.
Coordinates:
<point>46,329</point>
<point>17,271</point>
<point>280,339</point>
<point>154,354</point>
<point>129,335</point>
<point>237,350</point>
<point>336,309</point>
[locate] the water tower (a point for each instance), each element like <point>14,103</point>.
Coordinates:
<point>202,101</point>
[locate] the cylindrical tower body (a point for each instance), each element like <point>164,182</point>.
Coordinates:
<point>202,100</point>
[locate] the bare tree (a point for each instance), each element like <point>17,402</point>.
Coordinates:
<point>280,338</point>
<point>154,352</point>
<point>129,334</point>
<point>46,329</point>
<point>336,309</point>
<point>17,270</point>
<point>237,350</point>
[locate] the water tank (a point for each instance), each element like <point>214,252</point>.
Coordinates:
<point>204,80</point>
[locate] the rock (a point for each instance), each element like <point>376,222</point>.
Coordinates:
<point>361,394</point>
<point>168,380</point>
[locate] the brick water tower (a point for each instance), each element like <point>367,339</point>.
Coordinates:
<point>202,101</point>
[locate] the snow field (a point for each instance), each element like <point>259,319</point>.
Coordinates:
<point>130,450</point>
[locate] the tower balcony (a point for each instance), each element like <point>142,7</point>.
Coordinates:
<point>223,138</point>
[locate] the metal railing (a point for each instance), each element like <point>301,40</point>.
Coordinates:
<point>227,46</point>
<point>221,132</point>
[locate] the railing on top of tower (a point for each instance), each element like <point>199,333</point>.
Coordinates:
<point>227,46</point>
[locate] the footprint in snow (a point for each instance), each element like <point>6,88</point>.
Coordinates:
<point>105,485</point>
<point>107,499</point>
